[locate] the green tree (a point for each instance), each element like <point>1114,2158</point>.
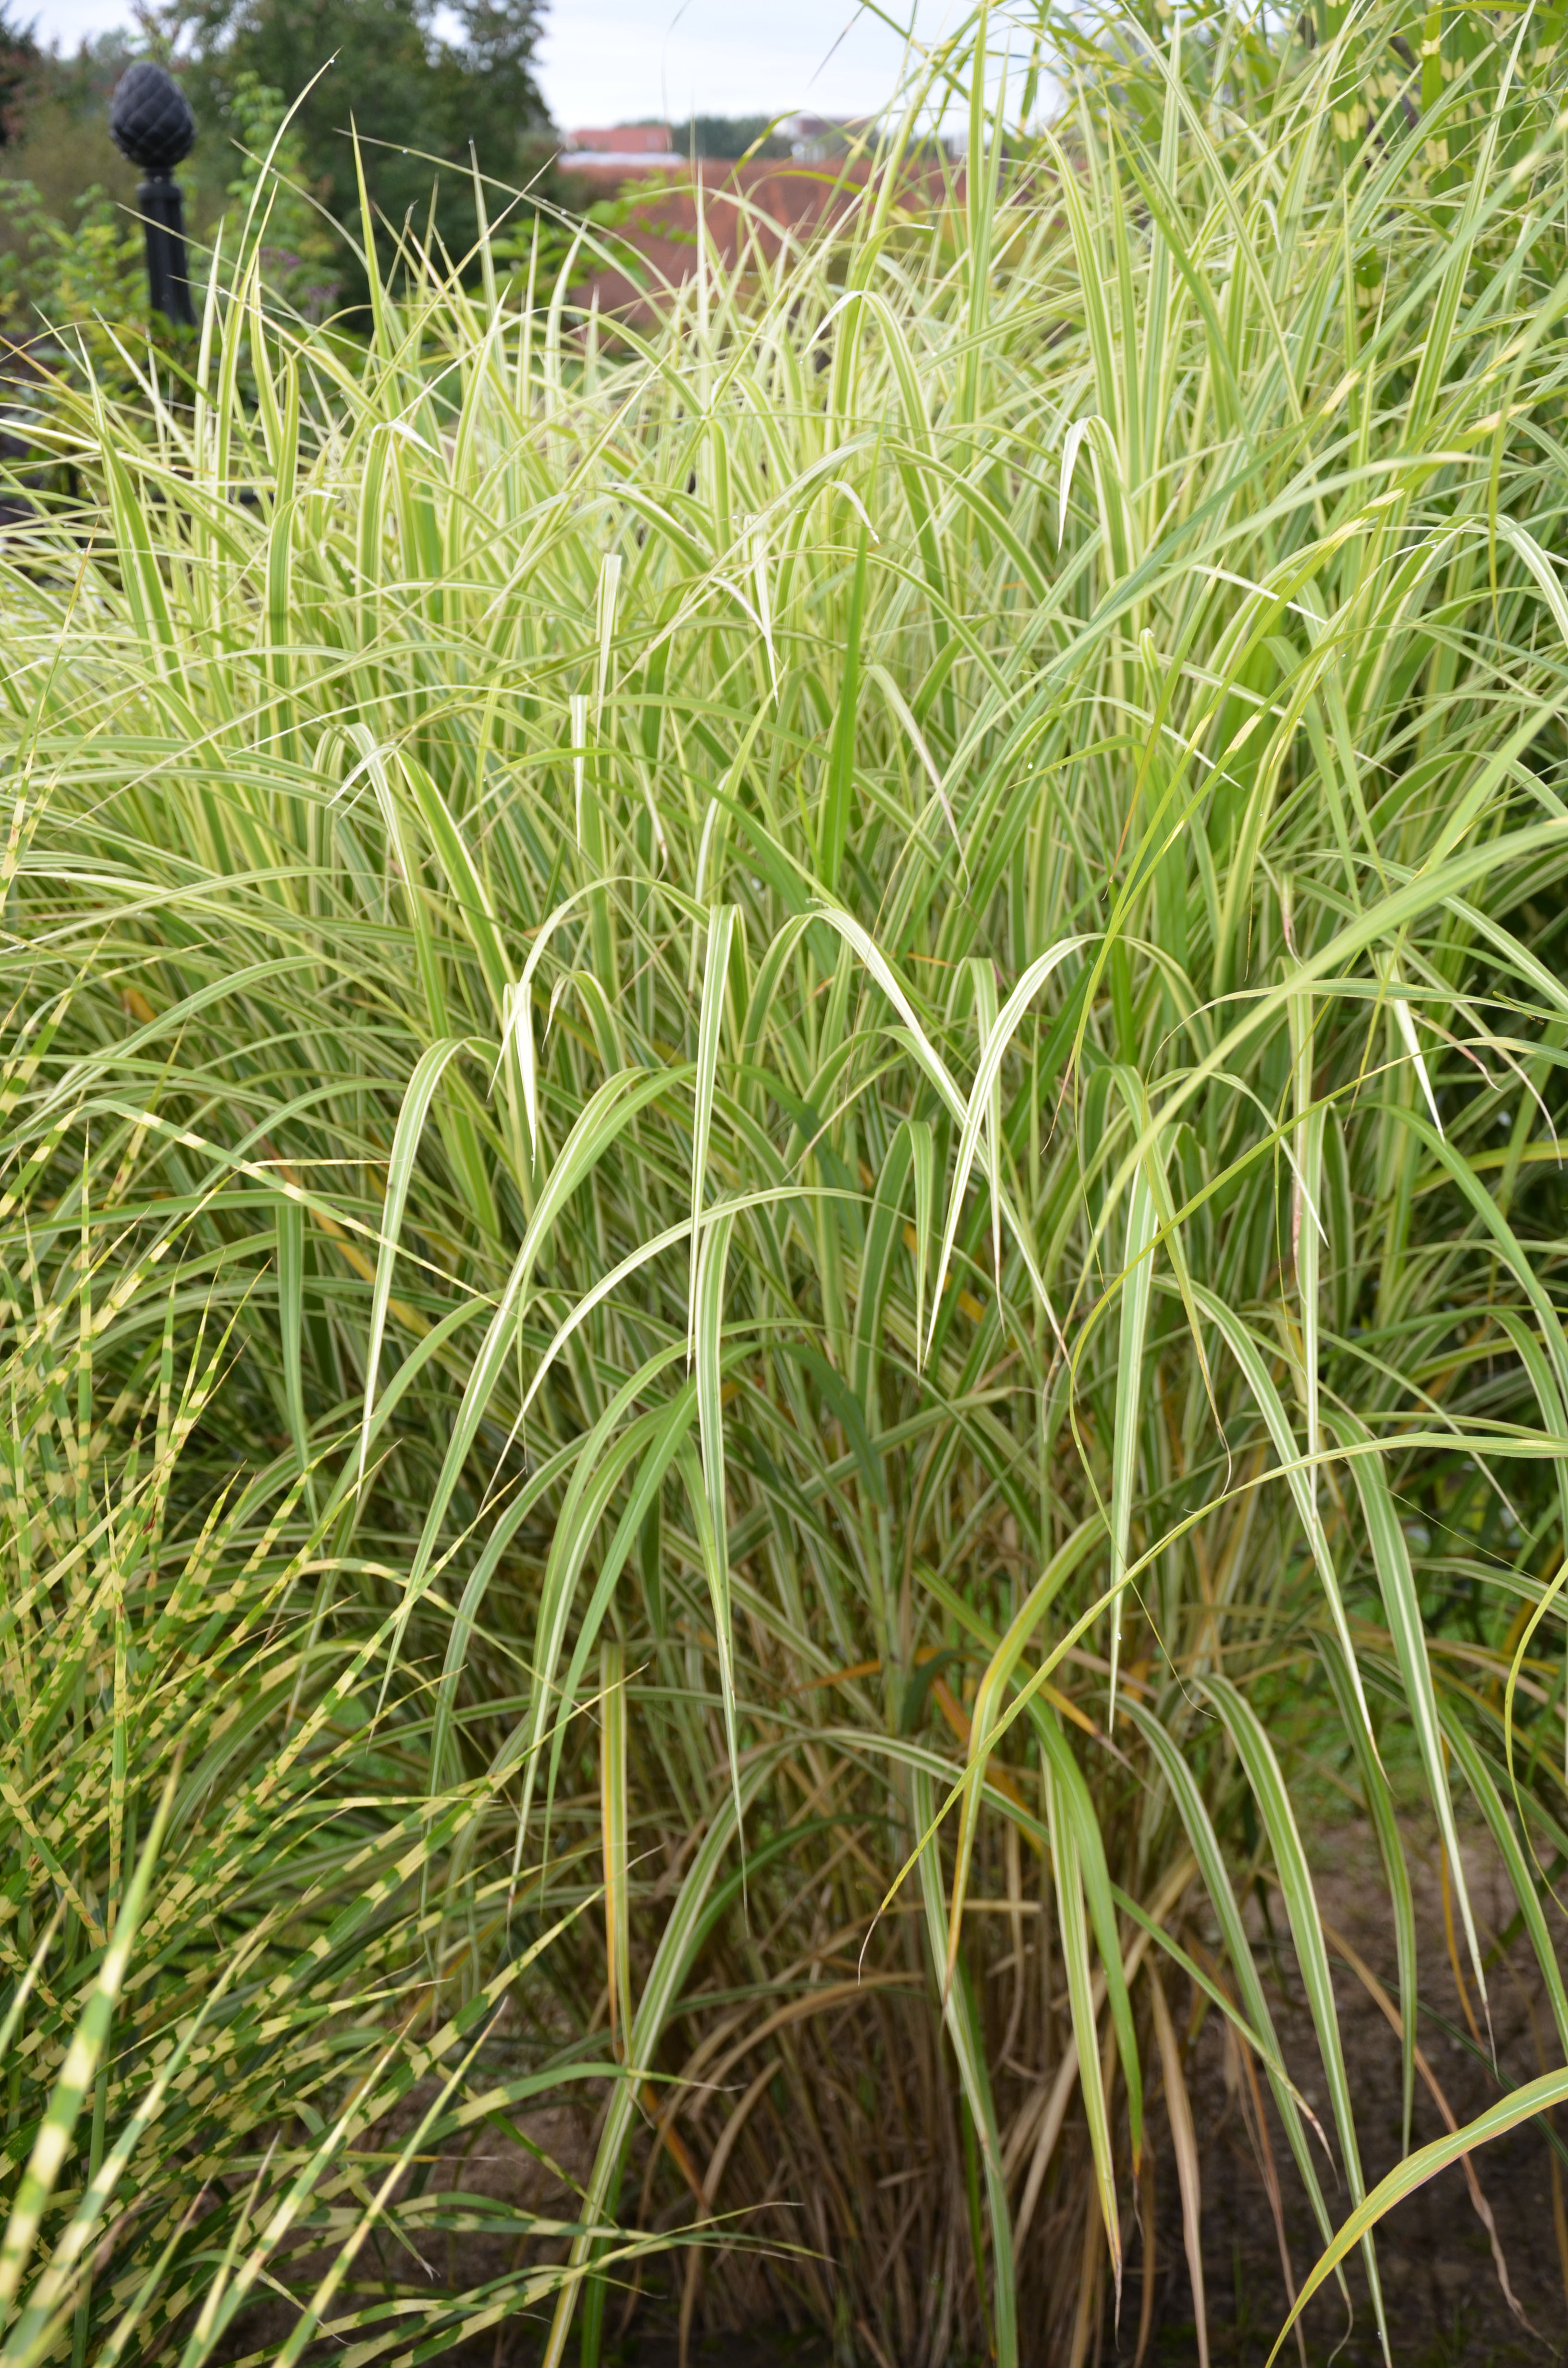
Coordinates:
<point>19,66</point>
<point>411,88</point>
<point>729,136</point>
<point>71,247</point>
<point>300,258</point>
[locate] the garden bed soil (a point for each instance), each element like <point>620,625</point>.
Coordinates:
<point>1444,2301</point>
<point>1443,2298</point>
<point>1445,2306</point>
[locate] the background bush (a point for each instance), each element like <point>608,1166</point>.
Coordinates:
<point>427,100</point>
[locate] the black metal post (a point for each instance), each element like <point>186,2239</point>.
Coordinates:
<point>150,122</point>
<point>163,214</point>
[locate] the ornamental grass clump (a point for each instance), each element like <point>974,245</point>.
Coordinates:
<point>848,1009</point>
<point>239,2016</point>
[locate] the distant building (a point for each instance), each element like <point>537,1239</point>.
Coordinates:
<point>636,147</point>
<point>814,138</point>
<point>746,210</point>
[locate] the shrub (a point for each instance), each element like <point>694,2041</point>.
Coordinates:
<point>864,1000</point>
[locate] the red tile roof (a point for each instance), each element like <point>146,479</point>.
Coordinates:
<point>762,201</point>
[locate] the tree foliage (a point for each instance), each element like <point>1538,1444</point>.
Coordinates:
<point>18,67</point>
<point>425,91</point>
<point>730,136</point>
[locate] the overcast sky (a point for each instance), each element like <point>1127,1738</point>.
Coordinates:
<point>605,62</point>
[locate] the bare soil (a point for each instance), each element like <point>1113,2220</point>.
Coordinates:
<point>1442,2295</point>
<point>1445,2304</point>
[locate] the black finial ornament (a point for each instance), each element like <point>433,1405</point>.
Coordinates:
<point>150,121</point>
